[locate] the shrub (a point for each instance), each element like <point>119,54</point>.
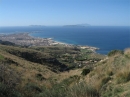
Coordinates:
<point>57,90</point>
<point>105,79</point>
<point>40,77</point>
<point>2,58</point>
<point>85,71</point>
<point>114,52</point>
<point>113,92</point>
<point>32,87</point>
<point>110,72</point>
<point>5,91</point>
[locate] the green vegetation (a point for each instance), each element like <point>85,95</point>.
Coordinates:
<point>1,57</point>
<point>115,52</point>
<point>85,71</point>
<point>8,81</point>
<point>40,77</point>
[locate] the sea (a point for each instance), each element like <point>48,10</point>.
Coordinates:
<point>106,38</point>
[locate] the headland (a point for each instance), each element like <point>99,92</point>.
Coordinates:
<point>25,39</point>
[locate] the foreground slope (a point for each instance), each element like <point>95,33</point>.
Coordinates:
<point>108,78</point>
<point>40,66</point>
<point>111,77</point>
<point>59,71</point>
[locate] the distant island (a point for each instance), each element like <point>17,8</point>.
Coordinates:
<point>37,26</point>
<point>77,25</point>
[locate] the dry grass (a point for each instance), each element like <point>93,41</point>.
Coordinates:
<point>123,75</point>
<point>28,70</point>
<point>109,78</point>
<point>127,51</point>
<point>67,74</point>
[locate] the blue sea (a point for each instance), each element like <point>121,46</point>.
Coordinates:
<point>106,38</point>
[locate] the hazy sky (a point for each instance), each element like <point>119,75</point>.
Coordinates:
<point>64,12</point>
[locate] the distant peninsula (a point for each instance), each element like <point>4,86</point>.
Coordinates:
<point>24,39</point>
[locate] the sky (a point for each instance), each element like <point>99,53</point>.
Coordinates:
<point>64,12</point>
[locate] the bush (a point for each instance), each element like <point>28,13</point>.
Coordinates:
<point>40,77</point>
<point>58,90</point>
<point>105,80</point>
<point>1,58</point>
<point>85,71</point>
<point>6,91</point>
<point>31,90</point>
<point>31,87</point>
<point>114,52</point>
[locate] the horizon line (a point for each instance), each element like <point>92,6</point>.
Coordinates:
<point>60,25</point>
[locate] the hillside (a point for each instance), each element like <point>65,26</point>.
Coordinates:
<point>58,71</point>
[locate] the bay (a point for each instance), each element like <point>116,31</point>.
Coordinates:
<point>106,38</point>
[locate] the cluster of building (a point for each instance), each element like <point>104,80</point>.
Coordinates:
<point>25,39</point>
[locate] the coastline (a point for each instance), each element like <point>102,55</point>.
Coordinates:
<point>92,48</point>
<point>26,39</point>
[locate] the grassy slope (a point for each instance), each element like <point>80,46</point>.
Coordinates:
<point>111,77</point>
<point>32,61</point>
<point>108,78</point>
<point>27,69</point>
